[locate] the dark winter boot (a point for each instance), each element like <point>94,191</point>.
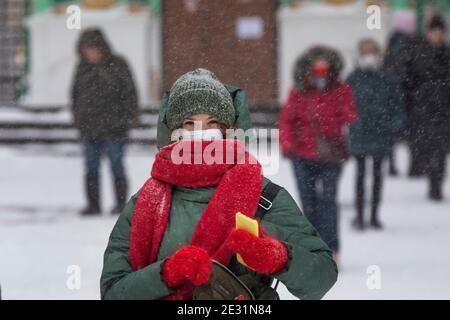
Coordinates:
<point>392,168</point>
<point>435,183</point>
<point>358,223</point>
<point>374,221</point>
<point>376,224</point>
<point>93,196</point>
<point>435,194</point>
<point>417,168</point>
<point>121,188</point>
<point>415,172</point>
<point>393,172</point>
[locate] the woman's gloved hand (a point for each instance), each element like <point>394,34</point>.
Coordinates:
<point>262,254</point>
<point>188,264</point>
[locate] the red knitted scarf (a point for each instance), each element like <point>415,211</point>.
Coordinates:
<point>237,175</point>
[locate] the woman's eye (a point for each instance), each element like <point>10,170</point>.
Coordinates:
<point>213,122</point>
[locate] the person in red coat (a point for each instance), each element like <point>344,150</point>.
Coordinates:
<point>311,123</point>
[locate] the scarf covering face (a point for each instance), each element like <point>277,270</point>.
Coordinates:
<point>222,163</point>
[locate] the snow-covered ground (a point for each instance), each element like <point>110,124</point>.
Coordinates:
<point>41,234</point>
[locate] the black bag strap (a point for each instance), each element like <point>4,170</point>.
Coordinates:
<point>268,194</point>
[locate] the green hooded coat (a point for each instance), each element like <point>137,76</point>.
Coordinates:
<point>309,273</point>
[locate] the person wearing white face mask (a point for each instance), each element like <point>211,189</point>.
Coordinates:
<point>378,101</point>
<point>197,135</point>
<point>181,222</point>
<point>369,61</point>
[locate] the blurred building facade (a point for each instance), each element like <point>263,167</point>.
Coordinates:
<point>12,48</point>
<point>249,43</point>
<point>246,42</point>
<point>238,41</point>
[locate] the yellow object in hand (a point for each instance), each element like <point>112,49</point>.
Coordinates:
<point>248,224</point>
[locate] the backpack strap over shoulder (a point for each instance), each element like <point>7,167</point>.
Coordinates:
<point>268,194</point>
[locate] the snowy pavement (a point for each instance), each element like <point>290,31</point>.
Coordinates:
<point>41,234</point>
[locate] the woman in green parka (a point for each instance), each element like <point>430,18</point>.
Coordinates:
<point>183,217</point>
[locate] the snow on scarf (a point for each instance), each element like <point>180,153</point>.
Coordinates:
<point>237,175</point>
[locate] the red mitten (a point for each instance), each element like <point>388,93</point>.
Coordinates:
<point>262,254</point>
<point>189,263</point>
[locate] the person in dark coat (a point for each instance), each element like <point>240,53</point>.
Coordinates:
<point>380,116</point>
<point>399,43</point>
<point>427,72</point>
<point>311,135</point>
<point>104,106</point>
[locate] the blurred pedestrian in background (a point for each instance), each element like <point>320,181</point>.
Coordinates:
<point>401,40</point>
<point>104,106</point>
<point>311,134</point>
<point>380,116</point>
<point>426,71</point>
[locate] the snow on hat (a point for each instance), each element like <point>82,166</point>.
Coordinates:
<point>199,91</point>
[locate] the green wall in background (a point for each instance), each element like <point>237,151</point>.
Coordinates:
<point>443,4</point>
<point>43,5</point>
<point>399,4</point>
<point>420,8</point>
<point>156,6</point>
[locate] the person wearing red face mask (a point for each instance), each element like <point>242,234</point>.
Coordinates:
<point>311,124</point>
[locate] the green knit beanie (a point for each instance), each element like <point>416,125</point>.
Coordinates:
<point>197,92</point>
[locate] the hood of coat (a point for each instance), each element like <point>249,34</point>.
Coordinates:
<point>242,115</point>
<point>94,38</point>
<point>303,66</point>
